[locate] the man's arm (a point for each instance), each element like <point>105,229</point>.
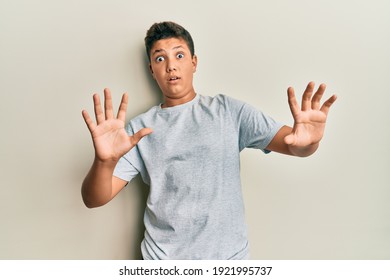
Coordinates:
<point>111,142</point>
<point>304,137</point>
<point>100,186</point>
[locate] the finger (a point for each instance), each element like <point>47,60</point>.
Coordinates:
<point>326,106</point>
<point>98,109</point>
<point>108,104</point>
<point>315,102</point>
<point>139,135</point>
<point>306,97</point>
<point>88,120</point>
<point>123,107</point>
<point>292,101</point>
<point>289,139</point>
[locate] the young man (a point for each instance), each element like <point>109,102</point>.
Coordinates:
<point>190,155</point>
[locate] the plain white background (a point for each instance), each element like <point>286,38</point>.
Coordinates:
<point>55,54</point>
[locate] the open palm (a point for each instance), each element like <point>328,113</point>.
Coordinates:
<point>109,136</point>
<point>310,119</point>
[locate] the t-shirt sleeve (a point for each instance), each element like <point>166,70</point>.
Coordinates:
<point>124,169</point>
<point>255,129</point>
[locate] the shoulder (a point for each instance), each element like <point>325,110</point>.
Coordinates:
<point>142,120</point>
<point>222,100</point>
<point>149,114</point>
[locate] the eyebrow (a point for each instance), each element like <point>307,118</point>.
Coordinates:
<point>162,50</point>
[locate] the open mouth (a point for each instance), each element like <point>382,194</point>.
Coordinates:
<point>173,78</point>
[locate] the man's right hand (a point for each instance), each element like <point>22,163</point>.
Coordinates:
<point>109,136</point>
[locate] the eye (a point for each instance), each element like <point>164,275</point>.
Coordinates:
<point>160,59</point>
<point>180,55</point>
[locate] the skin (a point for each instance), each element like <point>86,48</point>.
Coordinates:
<point>111,142</point>
<point>171,58</point>
<point>304,137</point>
<point>173,67</point>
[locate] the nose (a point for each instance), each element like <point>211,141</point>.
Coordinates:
<point>170,66</point>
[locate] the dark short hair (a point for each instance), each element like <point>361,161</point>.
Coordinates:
<point>166,30</point>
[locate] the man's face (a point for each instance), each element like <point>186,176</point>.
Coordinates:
<point>172,66</point>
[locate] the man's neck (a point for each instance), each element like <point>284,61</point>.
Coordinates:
<point>171,102</point>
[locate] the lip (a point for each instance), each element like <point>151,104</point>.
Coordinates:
<point>173,79</point>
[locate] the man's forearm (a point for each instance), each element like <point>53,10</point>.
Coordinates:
<point>96,189</point>
<point>279,145</point>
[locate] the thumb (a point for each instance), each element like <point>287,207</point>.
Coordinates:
<point>289,139</point>
<point>134,139</point>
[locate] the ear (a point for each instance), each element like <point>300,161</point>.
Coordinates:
<point>151,70</point>
<point>194,63</point>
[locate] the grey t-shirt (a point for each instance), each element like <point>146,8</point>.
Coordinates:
<point>191,162</point>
